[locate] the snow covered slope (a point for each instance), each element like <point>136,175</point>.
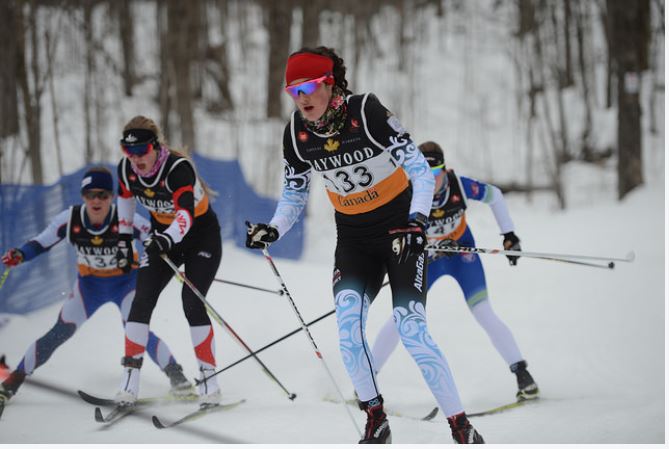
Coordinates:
<point>594,340</point>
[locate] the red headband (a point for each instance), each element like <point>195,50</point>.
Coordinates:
<point>308,66</point>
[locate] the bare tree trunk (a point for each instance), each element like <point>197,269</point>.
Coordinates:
<point>659,5</point>
<point>526,17</point>
<point>554,140</point>
<point>406,32</point>
<point>605,18</point>
<point>31,98</point>
<point>164,83</point>
<point>198,36</point>
<point>278,27</point>
<point>217,65</point>
<point>582,25</point>
<point>310,22</point>
<point>359,30</point>
<point>88,81</point>
<point>127,36</point>
<point>180,16</point>
<point>657,43</point>
<point>50,50</point>
<point>561,81</point>
<point>629,42</point>
<point>566,31</point>
<point>9,101</point>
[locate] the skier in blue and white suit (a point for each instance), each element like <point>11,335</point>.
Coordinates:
<point>92,228</point>
<point>448,227</point>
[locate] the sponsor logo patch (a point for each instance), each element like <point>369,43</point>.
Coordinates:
<point>331,145</point>
<point>418,280</point>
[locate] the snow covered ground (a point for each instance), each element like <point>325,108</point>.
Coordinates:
<point>594,340</point>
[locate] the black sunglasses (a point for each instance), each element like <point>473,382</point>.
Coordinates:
<point>101,194</point>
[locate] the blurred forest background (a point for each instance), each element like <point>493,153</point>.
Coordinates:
<point>212,71</point>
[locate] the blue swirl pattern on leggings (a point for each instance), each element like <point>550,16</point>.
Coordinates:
<point>355,352</point>
<point>414,334</point>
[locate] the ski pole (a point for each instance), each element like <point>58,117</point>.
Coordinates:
<point>253,287</point>
<point>223,323</point>
<point>4,276</point>
<point>308,334</point>
<point>507,252</point>
<point>609,266</point>
<point>267,346</point>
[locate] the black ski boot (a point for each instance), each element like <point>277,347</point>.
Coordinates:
<point>462,431</point>
<point>527,388</point>
<point>180,385</point>
<point>377,430</point>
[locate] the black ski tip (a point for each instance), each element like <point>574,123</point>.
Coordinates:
<point>157,423</point>
<point>94,399</point>
<point>98,415</point>
<point>83,395</point>
<point>2,408</point>
<point>431,415</point>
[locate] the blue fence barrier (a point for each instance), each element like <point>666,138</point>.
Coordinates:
<point>26,210</point>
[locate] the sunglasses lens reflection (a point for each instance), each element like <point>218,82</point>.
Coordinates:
<point>137,150</point>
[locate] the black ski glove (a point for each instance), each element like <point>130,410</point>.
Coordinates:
<point>124,254</point>
<point>157,244</point>
<point>410,240</point>
<point>512,242</point>
<point>260,235</point>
